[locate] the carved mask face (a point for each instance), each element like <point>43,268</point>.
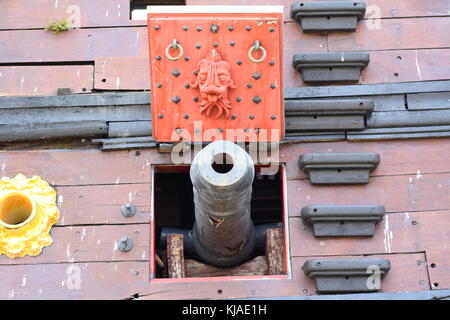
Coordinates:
<point>214,80</point>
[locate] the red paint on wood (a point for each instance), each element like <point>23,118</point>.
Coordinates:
<point>44,80</point>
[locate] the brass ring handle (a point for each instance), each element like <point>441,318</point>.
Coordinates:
<point>174,45</point>
<point>257,47</point>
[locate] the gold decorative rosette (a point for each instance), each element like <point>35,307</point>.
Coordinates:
<point>27,212</point>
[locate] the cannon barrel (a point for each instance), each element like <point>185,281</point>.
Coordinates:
<point>222,174</point>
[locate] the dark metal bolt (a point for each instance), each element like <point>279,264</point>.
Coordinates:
<point>233,117</point>
<point>195,99</point>
<point>256,75</point>
<point>271,29</point>
<point>248,28</point>
<point>257,99</point>
<point>214,28</point>
<point>125,244</point>
<point>273,117</point>
<point>232,43</point>
<point>160,116</point>
<point>198,45</point>
<point>273,85</point>
<point>231,28</point>
<point>252,117</point>
<point>187,85</point>
<point>271,63</point>
<point>239,62</point>
<point>186,116</point>
<point>199,28</point>
<point>128,210</point>
<point>187,58</point>
<point>176,72</point>
<point>185,28</point>
<point>157,27</point>
<point>215,44</point>
<point>238,99</point>
<point>159,85</point>
<point>176,99</point>
<point>249,85</point>
<point>158,57</point>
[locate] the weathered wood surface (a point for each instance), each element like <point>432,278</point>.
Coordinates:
<point>23,14</point>
<point>257,266</point>
<point>44,80</point>
<point>376,9</point>
<point>428,101</point>
<point>275,251</point>
<point>122,129</point>
<point>175,256</point>
<point>90,243</point>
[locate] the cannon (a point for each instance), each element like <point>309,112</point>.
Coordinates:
<point>223,234</point>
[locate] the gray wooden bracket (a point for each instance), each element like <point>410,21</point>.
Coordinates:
<point>328,67</point>
<point>343,221</point>
<point>347,275</point>
<point>338,168</point>
<point>328,16</point>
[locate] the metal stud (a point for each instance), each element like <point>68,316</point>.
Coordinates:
<point>238,99</point>
<point>195,99</point>
<point>273,117</point>
<point>248,28</point>
<point>198,45</point>
<point>199,28</point>
<point>251,117</point>
<point>257,99</point>
<point>185,28</point>
<point>160,116</point>
<point>271,29</point>
<point>159,85</point>
<point>186,116</point>
<point>187,85</point>
<point>273,85</point>
<point>233,117</point>
<point>128,210</point>
<point>249,85</point>
<point>157,27</point>
<point>215,44</point>
<point>256,75</point>
<point>195,72</point>
<point>125,244</point>
<point>176,72</point>
<point>214,28</point>
<point>176,99</point>
<point>187,58</point>
<point>271,63</point>
<point>231,28</point>
<point>232,43</point>
<point>239,62</point>
<point>158,57</point>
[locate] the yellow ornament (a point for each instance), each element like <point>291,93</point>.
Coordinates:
<point>27,212</point>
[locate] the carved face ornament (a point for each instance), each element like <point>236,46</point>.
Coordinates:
<point>214,80</point>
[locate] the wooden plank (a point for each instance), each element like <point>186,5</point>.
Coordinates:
<point>89,205</point>
<point>397,158</point>
<point>393,34</point>
<point>428,101</point>
<point>405,274</point>
<point>23,14</point>
<point>396,65</point>
<point>44,80</point>
<point>82,167</point>
<point>133,73</point>
<point>438,264</point>
<point>257,266</point>
<point>124,129</point>
<point>103,280</point>
<point>319,123</point>
<point>406,193</point>
<point>74,45</point>
<point>400,133</point>
<point>275,251</point>
<point>175,256</point>
<point>406,118</point>
<point>75,114</point>
<point>375,8</point>
<point>90,243</point>
<point>398,233</point>
<point>365,90</point>
<point>37,131</point>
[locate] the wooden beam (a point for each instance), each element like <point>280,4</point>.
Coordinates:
<point>255,267</point>
<point>175,256</point>
<point>275,251</point>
